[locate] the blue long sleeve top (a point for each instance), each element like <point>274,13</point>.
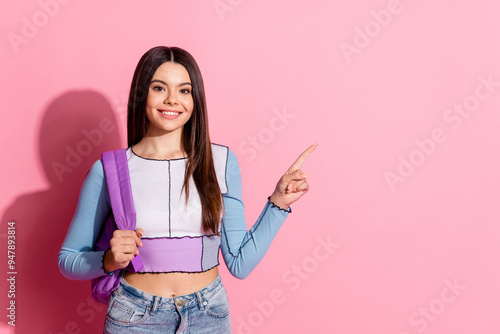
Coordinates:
<point>242,250</point>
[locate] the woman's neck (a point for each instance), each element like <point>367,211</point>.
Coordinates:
<point>167,146</point>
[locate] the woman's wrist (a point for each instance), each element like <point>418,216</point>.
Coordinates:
<point>107,262</point>
<point>276,200</point>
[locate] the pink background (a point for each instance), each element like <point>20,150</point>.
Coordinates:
<point>404,184</point>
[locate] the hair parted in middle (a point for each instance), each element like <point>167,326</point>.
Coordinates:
<point>195,136</point>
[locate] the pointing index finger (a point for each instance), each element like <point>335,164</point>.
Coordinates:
<point>300,160</point>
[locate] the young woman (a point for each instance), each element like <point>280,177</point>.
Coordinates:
<point>188,201</point>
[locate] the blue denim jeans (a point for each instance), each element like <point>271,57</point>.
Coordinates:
<point>131,310</point>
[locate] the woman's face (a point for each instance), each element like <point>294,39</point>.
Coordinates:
<point>170,102</point>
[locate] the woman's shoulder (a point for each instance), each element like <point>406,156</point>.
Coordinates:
<point>95,175</point>
<point>222,152</point>
<point>97,168</point>
<point>219,147</point>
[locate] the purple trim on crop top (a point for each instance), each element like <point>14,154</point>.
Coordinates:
<point>187,254</point>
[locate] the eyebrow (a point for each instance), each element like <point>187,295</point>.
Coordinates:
<point>164,83</point>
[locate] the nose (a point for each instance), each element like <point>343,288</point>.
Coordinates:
<point>171,98</point>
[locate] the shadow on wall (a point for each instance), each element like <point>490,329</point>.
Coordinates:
<point>77,126</point>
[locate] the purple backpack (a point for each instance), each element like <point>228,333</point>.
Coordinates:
<point>122,217</point>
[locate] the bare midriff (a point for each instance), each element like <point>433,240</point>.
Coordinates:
<point>171,284</point>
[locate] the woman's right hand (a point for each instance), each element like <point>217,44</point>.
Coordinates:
<point>124,245</point>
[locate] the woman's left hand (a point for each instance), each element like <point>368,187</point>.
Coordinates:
<point>293,184</point>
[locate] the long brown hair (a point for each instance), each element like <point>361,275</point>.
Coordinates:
<point>195,136</point>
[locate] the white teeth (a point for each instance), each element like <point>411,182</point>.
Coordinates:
<point>170,113</point>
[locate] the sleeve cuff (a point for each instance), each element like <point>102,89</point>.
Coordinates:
<point>288,210</point>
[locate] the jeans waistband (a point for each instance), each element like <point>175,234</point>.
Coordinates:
<point>155,302</point>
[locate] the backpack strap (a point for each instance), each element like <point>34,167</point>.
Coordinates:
<point>115,165</point>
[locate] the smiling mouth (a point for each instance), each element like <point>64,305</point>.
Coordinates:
<point>170,113</point>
